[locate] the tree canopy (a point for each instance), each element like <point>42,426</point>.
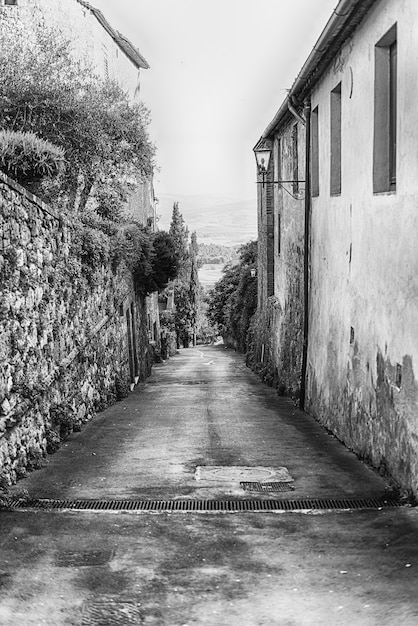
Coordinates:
<point>180,236</point>
<point>46,91</point>
<point>233,300</point>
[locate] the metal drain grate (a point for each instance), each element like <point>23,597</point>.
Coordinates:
<point>266,487</point>
<point>112,611</point>
<point>233,506</point>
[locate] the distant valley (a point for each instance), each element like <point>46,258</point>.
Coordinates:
<point>209,275</point>
<point>213,258</point>
<point>215,220</point>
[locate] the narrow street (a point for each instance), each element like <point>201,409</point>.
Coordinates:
<point>185,434</point>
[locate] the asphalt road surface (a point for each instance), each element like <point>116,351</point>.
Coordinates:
<point>201,425</point>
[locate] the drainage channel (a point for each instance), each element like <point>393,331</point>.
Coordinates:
<point>233,506</point>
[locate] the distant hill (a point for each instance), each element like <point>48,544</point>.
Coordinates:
<point>215,254</point>
<point>215,220</point>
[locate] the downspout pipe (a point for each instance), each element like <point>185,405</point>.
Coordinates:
<point>306,260</point>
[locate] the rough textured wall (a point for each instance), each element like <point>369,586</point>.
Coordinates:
<point>141,205</point>
<point>363,345</point>
<point>262,246</point>
<point>69,345</point>
<point>276,336</point>
<point>287,329</point>
<point>90,41</point>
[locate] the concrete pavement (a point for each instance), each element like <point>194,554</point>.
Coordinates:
<point>205,408</point>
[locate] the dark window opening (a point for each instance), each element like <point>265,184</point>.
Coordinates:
<point>279,159</point>
<point>385,113</point>
<point>315,152</point>
<point>279,199</point>
<point>10,3</point>
<point>295,158</point>
<point>393,72</point>
<point>335,152</point>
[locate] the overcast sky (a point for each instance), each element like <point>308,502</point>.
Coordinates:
<point>219,70</point>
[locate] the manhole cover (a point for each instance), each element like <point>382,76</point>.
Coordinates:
<point>242,474</point>
<point>83,559</point>
<point>111,612</point>
<point>266,487</point>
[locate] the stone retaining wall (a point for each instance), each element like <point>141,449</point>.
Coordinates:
<point>69,344</point>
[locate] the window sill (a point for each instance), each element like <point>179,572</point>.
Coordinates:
<point>389,192</point>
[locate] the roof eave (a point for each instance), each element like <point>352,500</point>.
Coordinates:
<point>121,41</point>
<point>344,20</point>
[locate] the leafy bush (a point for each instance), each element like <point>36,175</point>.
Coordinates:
<point>233,300</point>
<point>26,157</point>
<point>4,488</point>
<point>45,90</point>
<point>64,417</point>
<point>184,315</point>
<point>122,387</point>
<point>109,201</point>
<point>167,322</point>
<point>35,459</point>
<point>53,440</point>
<point>151,258</point>
<point>91,241</point>
<point>133,245</point>
<point>6,496</point>
<point>165,263</point>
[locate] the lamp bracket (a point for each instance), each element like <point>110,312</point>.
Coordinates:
<point>278,182</point>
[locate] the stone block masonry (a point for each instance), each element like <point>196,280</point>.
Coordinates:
<point>70,344</point>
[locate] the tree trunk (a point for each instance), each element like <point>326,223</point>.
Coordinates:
<point>85,192</point>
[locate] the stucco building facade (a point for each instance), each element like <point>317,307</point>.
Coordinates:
<point>93,40</point>
<point>355,103</point>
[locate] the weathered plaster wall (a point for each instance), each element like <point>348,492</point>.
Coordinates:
<point>91,43</point>
<point>364,291</point>
<point>277,334</point>
<point>141,204</point>
<point>262,243</point>
<point>63,338</point>
<point>288,258</point>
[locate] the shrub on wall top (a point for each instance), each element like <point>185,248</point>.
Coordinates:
<point>25,157</point>
<point>44,89</point>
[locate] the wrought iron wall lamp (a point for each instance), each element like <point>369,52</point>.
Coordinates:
<point>262,153</point>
